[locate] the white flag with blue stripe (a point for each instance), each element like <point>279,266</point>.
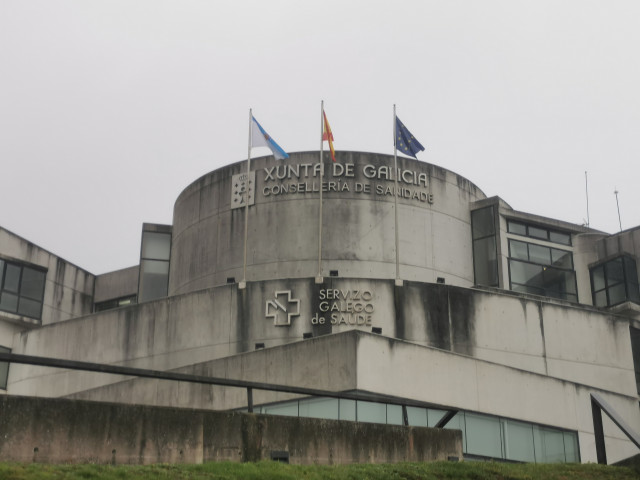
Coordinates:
<point>260,138</point>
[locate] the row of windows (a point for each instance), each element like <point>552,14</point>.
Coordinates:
<point>547,271</point>
<point>21,289</point>
<point>527,230</point>
<point>482,435</point>
<point>115,303</point>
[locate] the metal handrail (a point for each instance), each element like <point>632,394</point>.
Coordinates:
<point>227,382</point>
<point>598,405</point>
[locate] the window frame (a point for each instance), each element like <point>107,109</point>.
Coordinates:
<point>624,260</point>
<point>531,226</point>
<point>549,267</point>
<point>19,291</point>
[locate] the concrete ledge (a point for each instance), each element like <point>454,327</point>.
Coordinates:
<point>60,430</point>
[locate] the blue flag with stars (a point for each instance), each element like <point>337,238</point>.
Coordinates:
<point>405,142</point>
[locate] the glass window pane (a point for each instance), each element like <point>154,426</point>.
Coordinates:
<point>319,408</point>
<point>434,416</point>
<point>394,415</point>
<point>32,283</point>
<point>484,261</point>
<point>517,228</point>
<point>483,435</point>
<point>4,369</point>
<point>29,308</point>
<point>561,258</point>
<point>526,273</point>
<point>417,416</point>
<point>518,441</point>
<point>571,452</point>
<point>536,232</point>
<point>633,292</point>
<point>12,278</point>
<point>347,409</point>
<point>614,272</point>
<point>559,281</point>
<point>601,298</point>
<point>558,237</point>
<point>539,254</point>
<point>154,279</point>
<point>457,423</point>
<point>9,302</point>
<point>528,289</point>
<point>482,222</point>
<point>597,278</point>
<point>617,294</point>
<point>518,250</point>
<point>372,412</point>
<point>1,272</point>
<point>630,271</point>
<point>289,409</point>
<point>156,245</point>
<point>549,445</point>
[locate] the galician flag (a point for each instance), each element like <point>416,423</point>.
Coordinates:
<point>260,138</point>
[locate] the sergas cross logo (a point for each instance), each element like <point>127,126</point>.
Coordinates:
<point>282,308</point>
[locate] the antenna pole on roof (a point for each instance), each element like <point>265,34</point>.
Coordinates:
<point>618,205</point>
<point>586,188</point>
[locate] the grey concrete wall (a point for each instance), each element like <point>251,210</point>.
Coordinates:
<point>120,283</point>
<point>358,224</point>
<point>68,290</point>
<point>554,338</point>
<point>55,431</point>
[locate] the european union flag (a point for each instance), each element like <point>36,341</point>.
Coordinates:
<point>405,142</point>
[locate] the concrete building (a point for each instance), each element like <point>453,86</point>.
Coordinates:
<point>508,318</point>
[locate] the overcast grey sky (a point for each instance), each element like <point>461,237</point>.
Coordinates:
<point>110,108</point>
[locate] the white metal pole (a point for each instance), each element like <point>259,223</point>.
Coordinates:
<point>395,197</point>
<point>246,202</point>
<point>320,196</point>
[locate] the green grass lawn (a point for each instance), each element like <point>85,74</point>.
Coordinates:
<point>272,470</point>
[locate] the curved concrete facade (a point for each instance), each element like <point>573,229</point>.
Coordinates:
<point>357,226</point>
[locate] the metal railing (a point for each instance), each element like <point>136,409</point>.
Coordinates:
<point>599,405</point>
<point>226,382</point>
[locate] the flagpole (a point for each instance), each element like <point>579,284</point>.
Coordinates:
<point>395,197</point>
<point>246,204</point>
<point>319,276</point>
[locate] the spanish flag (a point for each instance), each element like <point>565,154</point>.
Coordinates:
<point>328,136</point>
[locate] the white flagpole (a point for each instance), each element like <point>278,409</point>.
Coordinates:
<point>319,277</point>
<point>246,203</point>
<point>395,197</point>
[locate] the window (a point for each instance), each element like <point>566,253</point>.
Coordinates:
<point>635,350</point>
<point>21,289</point>
<point>485,257</point>
<point>615,282</point>
<point>154,262</point>
<point>483,436</point>
<point>115,303</point>
<point>4,369</point>
<point>542,270</point>
<point>540,233</point>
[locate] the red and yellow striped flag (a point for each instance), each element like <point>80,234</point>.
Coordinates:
<point>328,136</point>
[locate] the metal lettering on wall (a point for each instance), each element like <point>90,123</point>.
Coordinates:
<point>282,308</point>
<point>240,188</point>
<point>344,307</point>
<point>304,178</point>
